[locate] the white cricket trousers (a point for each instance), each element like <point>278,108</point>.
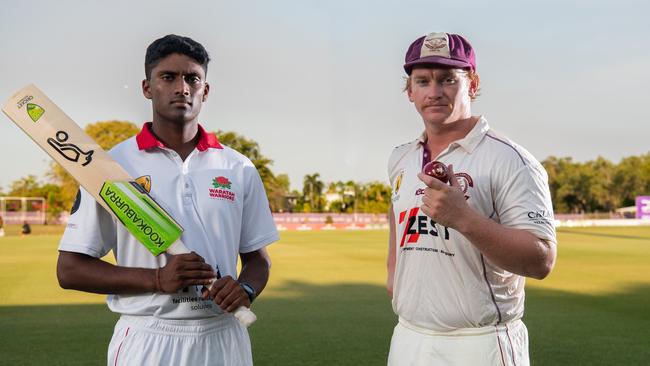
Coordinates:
<point>145,340</point>
<point>500,345</point>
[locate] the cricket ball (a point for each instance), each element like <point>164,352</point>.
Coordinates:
<point>437,170</point>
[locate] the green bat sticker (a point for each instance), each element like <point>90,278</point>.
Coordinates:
<point>34,111</point>
<point>141,215</point>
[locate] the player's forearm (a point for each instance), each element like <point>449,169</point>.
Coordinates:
<point>80,272</point>
<point>256,269</point>
<point>517,251</point>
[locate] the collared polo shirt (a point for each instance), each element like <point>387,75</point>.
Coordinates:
<point>442,282</point>
<point>216,195</point>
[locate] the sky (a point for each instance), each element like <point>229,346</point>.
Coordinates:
<point>318,84</point>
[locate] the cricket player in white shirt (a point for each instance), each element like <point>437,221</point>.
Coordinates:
<point>460,251</point>
<point>214,192</point>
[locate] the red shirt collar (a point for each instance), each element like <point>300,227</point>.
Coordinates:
<point>147,140</point>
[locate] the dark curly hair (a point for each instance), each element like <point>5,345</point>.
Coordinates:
<point>171,43</point>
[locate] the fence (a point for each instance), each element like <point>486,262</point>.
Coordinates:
<point>317,221</point>
<point>325,221</point>
<point>17,210</point>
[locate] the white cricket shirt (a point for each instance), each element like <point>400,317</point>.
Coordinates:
<point>216,195</point>
<point>442,282</point>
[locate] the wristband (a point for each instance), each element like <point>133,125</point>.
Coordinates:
<point>250,291</point>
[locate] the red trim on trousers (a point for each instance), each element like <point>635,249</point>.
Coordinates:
<point>512,349</point>
<point>117,355</point>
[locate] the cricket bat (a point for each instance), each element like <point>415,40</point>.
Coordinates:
<point>100,175</point>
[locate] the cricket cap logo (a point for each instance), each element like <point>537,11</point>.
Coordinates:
<point>435,44</point>
<point>35,111</point>
<point>69,151</point>
<point>221,182</point>
<point>144,182</point>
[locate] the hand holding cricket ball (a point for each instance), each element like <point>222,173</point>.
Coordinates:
<point>113,188</point>
<point>443,200</point>
<point>437,170</point>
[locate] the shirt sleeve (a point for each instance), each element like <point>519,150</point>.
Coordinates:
<point>90,229</point>
<point>524,202</point>
<point>258,228</point>
<point>392,168</point>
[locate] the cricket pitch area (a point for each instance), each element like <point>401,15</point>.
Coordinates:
<point>326,302</point>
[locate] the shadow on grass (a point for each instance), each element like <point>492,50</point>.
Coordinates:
<point>348,325</point>
<point>574,329</point>
<point>328,325</point>
<point>55,334</point>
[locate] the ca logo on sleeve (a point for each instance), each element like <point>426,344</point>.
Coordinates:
<point>144,182</point>
<point>397,184</point>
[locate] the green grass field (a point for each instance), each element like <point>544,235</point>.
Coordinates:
<point>326,303</point>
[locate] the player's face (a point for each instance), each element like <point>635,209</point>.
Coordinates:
<point>177,88</point>
<point>441,95</point>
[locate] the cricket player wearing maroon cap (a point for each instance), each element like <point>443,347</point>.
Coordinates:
<point>461,246</point>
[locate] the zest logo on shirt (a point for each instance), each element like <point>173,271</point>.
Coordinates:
<point>417,225</point>
<point>221,190</point>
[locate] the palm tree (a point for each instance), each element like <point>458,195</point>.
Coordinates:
<point>312,189</point>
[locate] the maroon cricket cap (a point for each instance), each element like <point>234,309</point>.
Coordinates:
<point>440,49</point>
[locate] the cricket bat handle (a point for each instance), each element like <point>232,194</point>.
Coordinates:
<point>245,316</point>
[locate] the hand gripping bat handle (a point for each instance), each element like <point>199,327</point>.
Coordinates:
<point>245,316</point>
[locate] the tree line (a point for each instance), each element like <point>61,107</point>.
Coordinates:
<point>597,185</point>
<point>60,188</point>
<point>592,186</point>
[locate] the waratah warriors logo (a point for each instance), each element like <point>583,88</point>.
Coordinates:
<point>221,182</point>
